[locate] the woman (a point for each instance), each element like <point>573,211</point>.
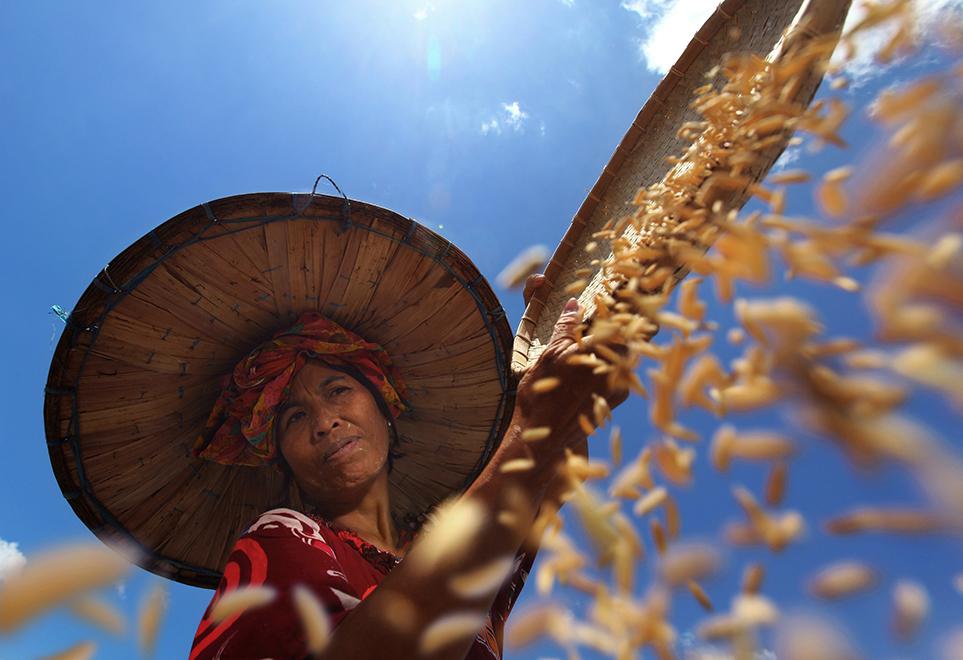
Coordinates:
<point>325,410</point>
<point>297,482</point>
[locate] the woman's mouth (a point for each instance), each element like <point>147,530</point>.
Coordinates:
<point>343,447</point>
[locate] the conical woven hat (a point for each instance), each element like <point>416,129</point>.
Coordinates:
<point>763,27</point>
<point>137,370</point>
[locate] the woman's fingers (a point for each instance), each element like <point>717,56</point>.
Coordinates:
<point>533,282</point>
<point>567,325</point>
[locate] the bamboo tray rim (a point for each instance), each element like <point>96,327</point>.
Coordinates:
<point>135,263</point>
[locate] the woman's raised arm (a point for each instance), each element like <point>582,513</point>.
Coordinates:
<point>424,578</point>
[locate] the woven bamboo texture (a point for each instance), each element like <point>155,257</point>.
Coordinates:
<point>640,158</point>
<point>136,371</point>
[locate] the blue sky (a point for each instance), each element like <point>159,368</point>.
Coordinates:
<point>487,121</point>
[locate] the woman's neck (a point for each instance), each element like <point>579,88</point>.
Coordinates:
<point>371,517</point>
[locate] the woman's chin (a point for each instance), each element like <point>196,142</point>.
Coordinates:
<point>356,475</point>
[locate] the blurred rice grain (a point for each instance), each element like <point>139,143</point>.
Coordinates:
<point>53,577</point>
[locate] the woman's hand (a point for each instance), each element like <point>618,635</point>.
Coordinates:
<point>559,408</point>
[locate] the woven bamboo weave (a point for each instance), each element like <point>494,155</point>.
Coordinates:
<point>137,369</point>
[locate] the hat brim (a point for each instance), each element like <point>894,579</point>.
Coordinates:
<point>137,368</point>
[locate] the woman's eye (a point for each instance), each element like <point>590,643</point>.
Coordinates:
<point>294,417</point>
<point>339,390</point>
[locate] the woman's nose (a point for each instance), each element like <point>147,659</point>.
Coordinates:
<point>324,423</point>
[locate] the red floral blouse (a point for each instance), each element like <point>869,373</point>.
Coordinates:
<point>285,548</point>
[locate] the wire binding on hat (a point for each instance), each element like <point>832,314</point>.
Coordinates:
<point>345,208</point>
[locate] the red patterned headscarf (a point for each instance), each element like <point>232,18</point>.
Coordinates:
<point>239,430</point>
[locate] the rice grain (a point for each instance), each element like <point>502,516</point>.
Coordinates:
<point>314,619</point>
<point>450,628</point>
<point>53,577</point>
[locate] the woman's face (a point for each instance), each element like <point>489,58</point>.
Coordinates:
<point>333,436</point>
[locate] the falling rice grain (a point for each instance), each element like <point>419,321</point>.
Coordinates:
<point>508,519</point>
<point>623,569</point>
<point>867,359</point>
<point>575,287</point>
<point>689,562</point>
<point>658,535</point>
<point>235,602</point>
<point>677,322</point>
<point>847,284</point>
<point>789,176</point>
<point>80,651</point>
<point>517,465</point>
<point>580,468</point>
<point>811,638</point>
<point>951,644</point>
<point>596,518</point>
<point>720,451</point>
<point>946,248</point>
<point>615,446</point>
<point>399,612</point>
<point>536,433</point>
<point>150,617</point>
<point>752,578</point>
<point>674,462</point>
<point>650,501</point>
<point>702,373</point>
<point>585,424</point>
<point>893,104</point>
<point>893,520</point>
<point>527,262</point>
<point>839,174</point>
<point>528,626</point>
<point>832,198</point>
<point>756,394</point>
<point>673,521</point>
<point>314,619</point>
<point>754,609</point>
<point>450,531</point>
<point>911,604</point>
<point>51,578</point>
<point>689,304</point>
<point>661,411</point>
<point>941,180</point>
<point>775,488</point>
<point>842,579</point>
<point>450,628</point>
<point>637,473</point>
<point>514,505</point>
<point>778,201</point>
<point>543,385</point>
<point>760,446</point>
<point>484,580</point>
<point>784,529</point>
<point>600,410</point>
<point>723,627</point>
<point>545,578</point>
<point>99,613</point>
<point>776,531</point>
<point>700,595</point>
